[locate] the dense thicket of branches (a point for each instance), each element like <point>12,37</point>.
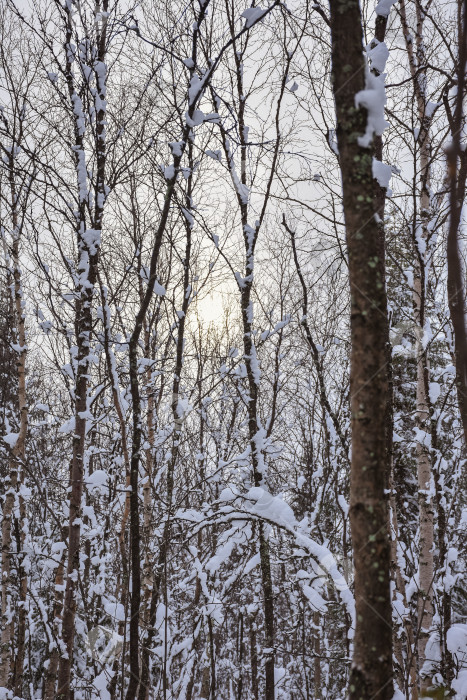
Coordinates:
<point>233,350</point>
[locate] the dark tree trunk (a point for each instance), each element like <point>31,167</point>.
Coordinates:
<point>457,173</point>
<point>371,672</point>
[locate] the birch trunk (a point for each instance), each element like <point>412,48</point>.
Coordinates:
<point>422,416</point>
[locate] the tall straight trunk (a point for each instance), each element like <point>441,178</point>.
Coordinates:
<point>405,673</point>
<point>88,257</point>
<point>196,626</point>
<point>417,61</point>
<point>17,457</point>
<point>371,671</point>
<point>426,511</point>
<point>445,598</point>
<point>457,173</point>
<point>254,433</point>
<point>83,332</point>
<point>135,531</point>
<point>148,569</point>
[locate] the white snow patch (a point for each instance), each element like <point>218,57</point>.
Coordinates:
<point>378,55</point>
<point>343,504</point>
<point>383,8</point>
<point>435,391</point>
<point>314,598</point>
<point>382,173</point>
<point>196,119</point>
<point>456,639</point>
<point>159,289</point>
<point>97,479</point>
<point>216,155</point>
<point>100,684</point>
<point>115,610</point>
<point>252,15</point>
<point>373,98</point>
<point>11,439</point>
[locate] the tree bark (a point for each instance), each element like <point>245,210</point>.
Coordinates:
<point>422,415</point>
<point>371,672</point>
<point>457,173</point>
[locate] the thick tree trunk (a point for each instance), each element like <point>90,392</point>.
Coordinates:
<point>18,453</point>
<point>426,518</point>
<point>371,672</point>
<point>84,327</point>
<point>22,597</point>
<point>457,173</point>
<point>257,455</point>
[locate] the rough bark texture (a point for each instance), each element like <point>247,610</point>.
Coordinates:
<point>371,672</point>
<point>457,173</point>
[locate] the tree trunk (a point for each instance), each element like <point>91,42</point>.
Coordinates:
<point>422,415</point>
<point>254,660</point>
<point>457,173</point>
<point>371,672</point>
<point>88,257</point>
<point>51,673</point>
<point>17,457</point>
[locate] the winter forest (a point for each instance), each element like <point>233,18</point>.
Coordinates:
<point>233,350</point>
